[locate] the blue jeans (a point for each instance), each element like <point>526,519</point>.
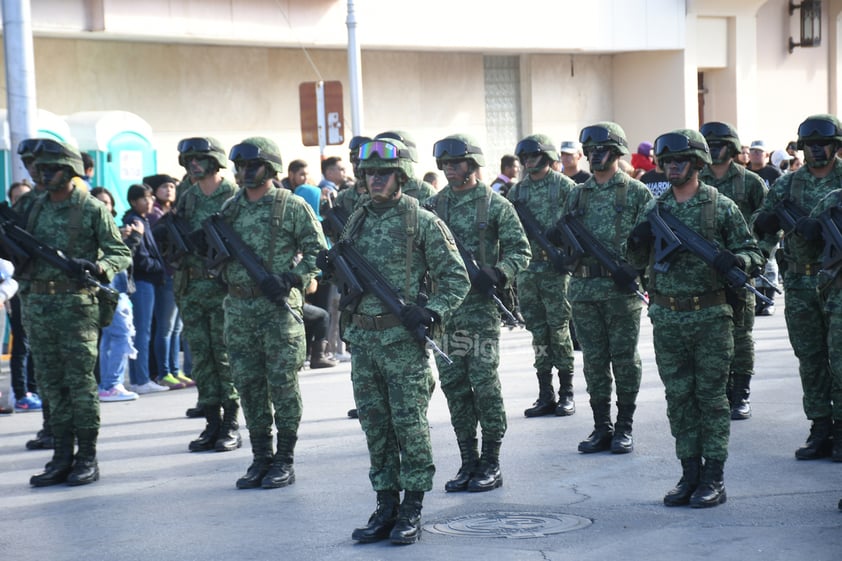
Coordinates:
<point>167,329</point>
<point>115,346</point>
<point>143,306</point>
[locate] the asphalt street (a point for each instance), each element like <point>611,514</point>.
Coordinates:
<point>158,501</point>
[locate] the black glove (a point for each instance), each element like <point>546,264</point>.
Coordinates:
<point>414,316</point>
<point>553,234</point>
<point>276,287</point>
<point>625,277</point>
<point>725,261</point>
<point>767,223</point>
<point>809,228</point>
<point>80,268</point>
<point>641,235</point>
<point>487,279</point>
<point>323,261</point>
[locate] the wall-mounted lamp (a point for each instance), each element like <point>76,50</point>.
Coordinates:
<point>811,23</point>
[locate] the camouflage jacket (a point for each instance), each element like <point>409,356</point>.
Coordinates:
<point>418,189</point>
<point>609,212</point>
<point>504,243</point>
<point>545,199</point>
<point>832,291</point>
<point>688,274</point>
<point>288,237</point>
<point>382,235</point>
<point>805,190</point>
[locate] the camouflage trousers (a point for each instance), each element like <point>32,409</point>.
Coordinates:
<point>63,331</point>
<point>834,344</point>
<point>392,389</point>
<point>608,332</point>
<point>471,384</point>
<point>267,348</point>
<point>544,305</point>
<point>693,361</point>
<point>807,324</point>
<point>743,362</point>
<point>204,326</point>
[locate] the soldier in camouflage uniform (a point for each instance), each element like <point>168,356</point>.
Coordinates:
<point>543,291</point>
<point>606,316</point>
<point>748,190</point>
<point>199,294</point>
<point>266,342</point>
<point>62,314</point>
<point>390,370</point>
<point>820,136</point>
<point>692,321</point>
<point>415,187</point>
<point>487,226</point>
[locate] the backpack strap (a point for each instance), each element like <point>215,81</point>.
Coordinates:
<point>411,227</point>
<point>483,208</point>
<point>621,198</point>
<point>279,207</point>
<point>708,224</point>
<point>74,223</point>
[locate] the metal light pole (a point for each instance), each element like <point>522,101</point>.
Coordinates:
<point>355,77</point>
<point>20,79</point>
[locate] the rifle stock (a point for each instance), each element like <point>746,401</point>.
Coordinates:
<point>535,233</point>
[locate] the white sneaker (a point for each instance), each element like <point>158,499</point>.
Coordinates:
<point>342,357</point>
<point>117,393</point>
<point>149,387</point>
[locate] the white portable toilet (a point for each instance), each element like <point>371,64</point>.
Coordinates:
<point>120,144</point>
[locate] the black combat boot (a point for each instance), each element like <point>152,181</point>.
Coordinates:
<point>44,438</point>
<point>261,450</point>
<point>545,405</point>
<point>740,404</point>
<point>711,489</point>
<point>407,528</point>
<point>85,468</point>
<point>353,414</point>
<point>281,473</point>
<point>382,520</point>
<point>195,412</point>
<point>566,406</point>
<point>600,439</point>
<point>488,476</point>
<point>228,438</point>
<point>686,486</point>
<point>470,458</point>
<point>836,455</point>
<point>622,441</point>
<point>820,442</point>
<point>207,440</point>
<point>57,469</point>
<point>319,357</point>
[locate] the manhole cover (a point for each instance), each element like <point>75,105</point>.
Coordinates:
<point>509,525</point>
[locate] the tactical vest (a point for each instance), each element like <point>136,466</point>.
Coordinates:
<point>581,197</point>
<point>482,210</point>
<point>279,207</point>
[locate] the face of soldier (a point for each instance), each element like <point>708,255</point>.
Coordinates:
<point>198,167</point>
<point>457,172</point>
<point>601,158</point>
<point>32,169</point>
<point>718,151</point>
<point>382,184</point>
<point>53,176</point>
<point>677,169</point>
<point>819,153</point>
<point>252,174</point>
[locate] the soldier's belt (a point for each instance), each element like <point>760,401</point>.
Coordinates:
<point>59,287</point>
<point>244,291</point>
<point>591,271</point>
<point>196,273</point>
<point>689,303</point>
<point>375,323</point>
<point>808,269</point>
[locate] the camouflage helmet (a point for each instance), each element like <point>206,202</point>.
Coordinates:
<point>404,137</point>
<point>354,147</point>
<point>258,148</point>
<point>385,154</point>
<point>716,132</point>
<point>458,147</point>
<point>26,148</point>
<point>819,127</point>
<point>201,146</point>
<point>604,133</point>
<point>683,142</point>
<point>535,143</point>
<point>54,152</point>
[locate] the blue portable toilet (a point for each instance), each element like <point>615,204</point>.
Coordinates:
<point>120,144</point>
<point>48,125</point>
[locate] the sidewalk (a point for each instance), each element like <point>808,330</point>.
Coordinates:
<point>156,500</point>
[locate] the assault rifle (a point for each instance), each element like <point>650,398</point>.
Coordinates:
<point>789,212</point>
<point>832,254</point>
<point>22,247</point>
<point>225,243</point>
<point>474,270</point>
<point>672,235</point>
<point>336,218</point>
<point>354,276</point>
<point>581,241</point>
<point>180,240</point>
<point>536,233</point>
